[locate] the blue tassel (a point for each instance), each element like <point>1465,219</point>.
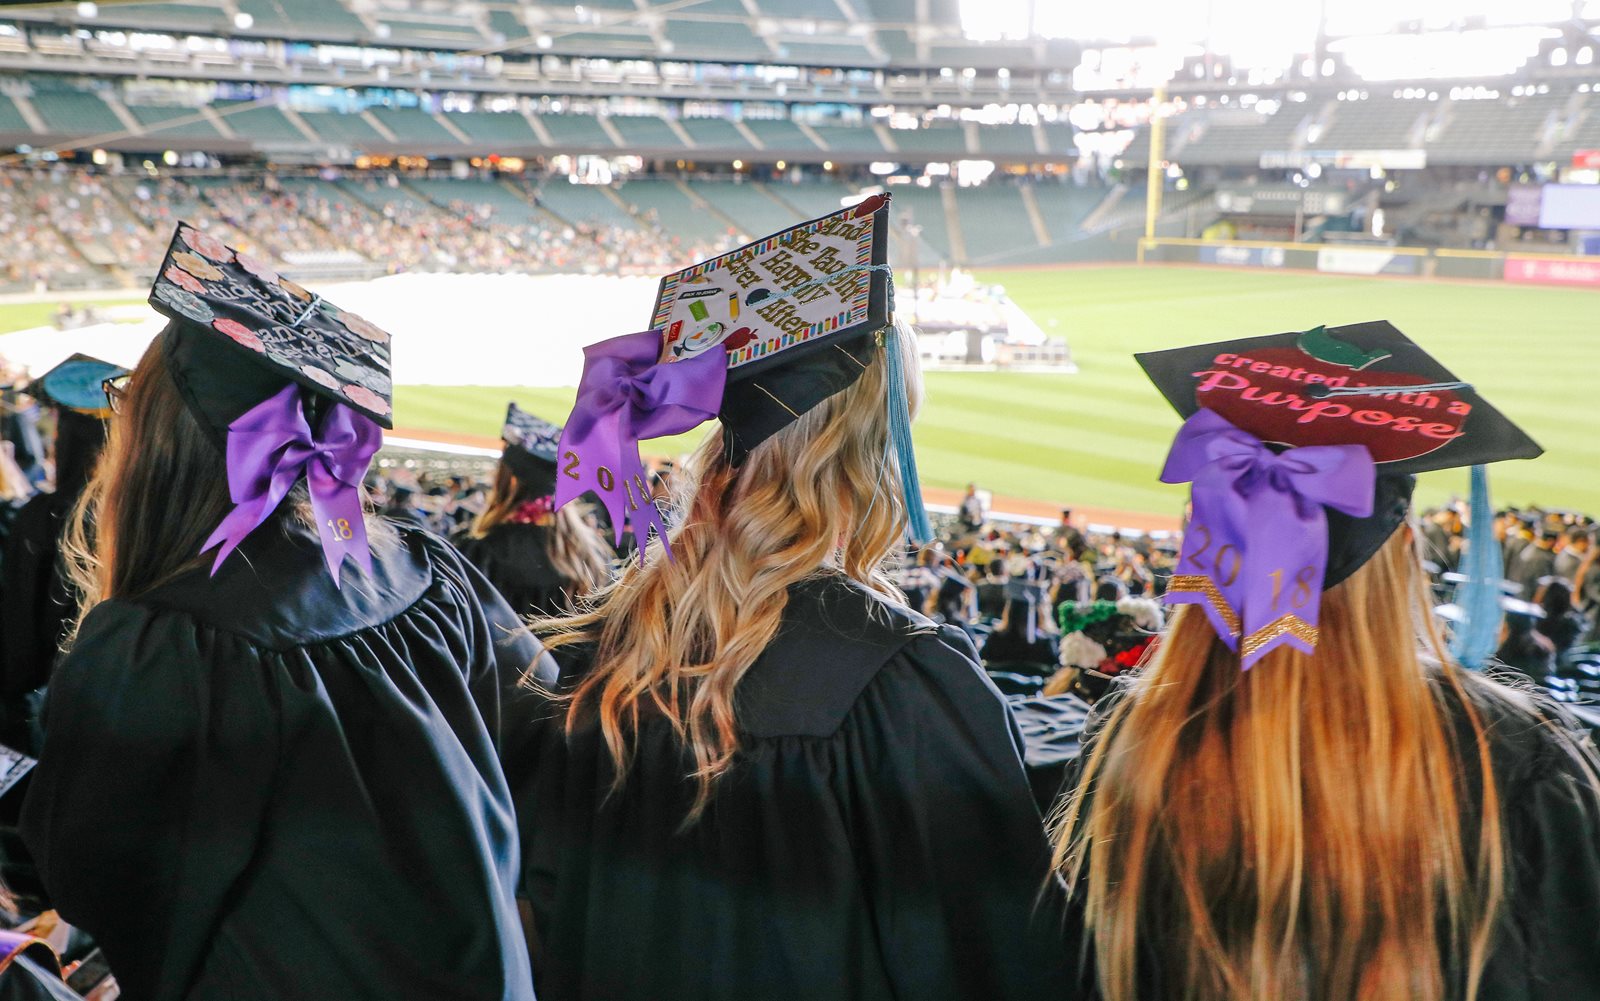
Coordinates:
<point>1477,635</point>
<point>900,440</point>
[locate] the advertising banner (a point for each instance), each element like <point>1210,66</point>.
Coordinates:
<point>1544,271</point>
<point>1352,261</point>
<point>1245,257</point>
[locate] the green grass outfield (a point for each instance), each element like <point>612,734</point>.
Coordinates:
<point>1098,438</point>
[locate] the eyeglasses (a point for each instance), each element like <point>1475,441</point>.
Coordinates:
<point>115,389</point>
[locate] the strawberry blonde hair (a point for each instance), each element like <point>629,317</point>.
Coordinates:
<point>674,637</point>
<point>1313,828</point>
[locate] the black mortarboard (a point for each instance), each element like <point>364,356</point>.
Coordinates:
<point>77,384</point>
<point>796,313</point>
<point>242,331</point>
<point>531,449</point>
<point>1306,388</point>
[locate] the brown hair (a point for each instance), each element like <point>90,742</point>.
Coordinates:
<point>1299,830</point>
<point>577,551</point>
<point>158,492</point>
<point>675,637</point>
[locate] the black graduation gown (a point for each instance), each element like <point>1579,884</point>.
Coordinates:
<point>1546,945</point>
<point>255,785</point>
<point>35,603</point>
<point>875,839</point>
<point>516,559</point>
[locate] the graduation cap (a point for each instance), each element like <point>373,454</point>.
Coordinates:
<point>243,331</point>
<point>756,337</point>
<point>78,385</point>
<point>795,313</point>
<point>531,449</point>
<point>288,384</point>
<point>1303,449</point>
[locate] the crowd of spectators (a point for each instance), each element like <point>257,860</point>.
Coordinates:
<point>66,227</point>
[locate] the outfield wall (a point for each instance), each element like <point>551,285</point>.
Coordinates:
<point>1422,262</point>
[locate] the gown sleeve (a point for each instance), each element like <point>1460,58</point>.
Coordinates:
<point>1554,889</point>
<point>955,859</point>
<point>148,800</point>
<point>496,675</point>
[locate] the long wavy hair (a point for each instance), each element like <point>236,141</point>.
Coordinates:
<point>1312,828</point>
<point>674,637</point>
<point>157,493</point>
<point>576,549</point>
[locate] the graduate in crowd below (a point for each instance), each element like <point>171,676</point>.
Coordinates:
<point>760,774</point>
<point>270,767</point>
<point>540,559</point>
<point>36,602</point>
<point>1306,795</point>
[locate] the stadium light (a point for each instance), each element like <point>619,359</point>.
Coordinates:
<point>827,165</point>
<point>170,158</point>
<point>88,11</point>
<point>99,157</point>
<point>738,165</point>
<point>243,21</point>
<point>782,165</point>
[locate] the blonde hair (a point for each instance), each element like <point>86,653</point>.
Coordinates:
<point>1297,830</point>
<point>14,485</point>
<point>577,552</point>
<point>675,637</point>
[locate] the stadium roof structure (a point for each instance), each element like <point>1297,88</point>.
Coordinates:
<point>911,34</point>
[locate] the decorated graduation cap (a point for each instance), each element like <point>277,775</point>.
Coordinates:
<point>756,337</point>
<point>288,384</point>
<point>531,448</point>
<point>1302,449</point>
<point>78,385</point>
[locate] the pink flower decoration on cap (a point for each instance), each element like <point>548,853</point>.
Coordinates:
<point>258,267</point>
<point>185,280</point>
<point>363,328</point>
<point>239,333</point>
<point>320,377</point>
<point>197,266</point>
<point>364,397</point>
<point>206,246</point>
<point>294,289</point>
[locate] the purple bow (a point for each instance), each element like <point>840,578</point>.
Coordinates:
<point>271,447</point>
<point>1256,547</point>
<point>625,396</point>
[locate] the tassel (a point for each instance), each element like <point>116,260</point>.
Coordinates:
<point>900,438</point>
<point>1477,635</point>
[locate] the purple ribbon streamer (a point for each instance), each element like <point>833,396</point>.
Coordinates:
<point>625,396</point>
<point>1256,548</point>
<point>271,447</point>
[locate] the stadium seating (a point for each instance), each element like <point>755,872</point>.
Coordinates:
<point>76,112</point>
<point>494,128</point>
<point>579,132</point>
<point>780,134</point>
<point>263,123</point>
<point>850,138</point>
<point>714,133</point>
<point>11,119</point>
<point>155,121</point>
<point>311,18</point>
<point>714,38</point>
<point>1586,132</point>
<point>811,10</point>
<point>440,33</point>
<point>925,207</point>
<point>1372,125</point>
<point>931,140</point>
<point>1241,137</point>
<point>584,204</point>
<point>1064,207</point>
<point>664,205</point>
<point>646,132</point>
<point>833,52</point>
<point>994,222</point>
<point>1003,140</point>
<point>811,198</point>
<point>338,127</point>
<point>1058,136</point>
<point>748,204</point>
<point>413,125</point>
<point>464,195</point>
